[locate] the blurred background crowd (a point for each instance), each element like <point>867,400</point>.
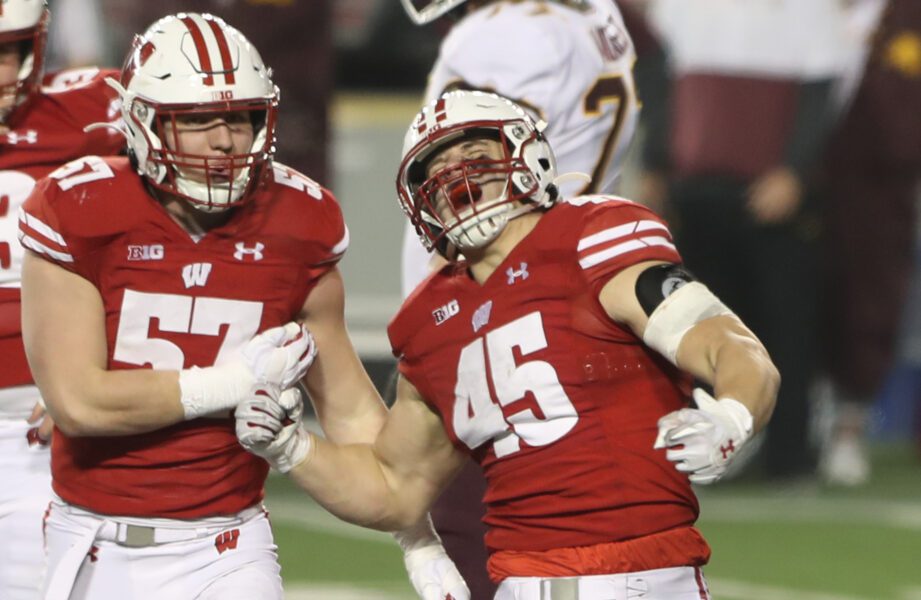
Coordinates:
<point>784,150</point>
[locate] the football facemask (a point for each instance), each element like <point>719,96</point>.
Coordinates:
<point>450,205</point>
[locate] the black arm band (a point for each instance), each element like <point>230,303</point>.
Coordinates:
<point>657,283</point>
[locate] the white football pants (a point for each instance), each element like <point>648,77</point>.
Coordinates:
<point>25,489</point>
<point>93,556</point>
<point>676,583</point>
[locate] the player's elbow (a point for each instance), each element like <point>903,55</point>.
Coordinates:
<point>765,367</point>
<point>71,414</point>
<point>395,511</point>
<point>69,420</point>
<point>396,521</point>
<point>772,380</point>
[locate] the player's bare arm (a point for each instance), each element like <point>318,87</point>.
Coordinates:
<point>85,398</point>
<point>348,406</point>
<point>719,350</point>
<point>388,485</point>
<point>66,346</point>
<point>681,319</point>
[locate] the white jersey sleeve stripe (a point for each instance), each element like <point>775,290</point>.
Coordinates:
<point>343,244</point>
<point>624,248</point>
<point>618,232</point>
<point>39,247</point>
<point>42,228</point>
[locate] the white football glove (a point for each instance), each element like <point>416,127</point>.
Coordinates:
<point>702,441</point>
<point>431,571</point>
<point>277,357</point>
<point>269,425</point>
<point>280,356</point>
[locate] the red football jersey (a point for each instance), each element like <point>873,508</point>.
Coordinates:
<point>174,302</point>
<point>44,134</point>
<point>557,402</point>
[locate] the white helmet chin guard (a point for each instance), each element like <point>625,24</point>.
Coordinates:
<point>192,64</point>
<point>24,22</point>
<point>448,206</point>
<point>426,11</point>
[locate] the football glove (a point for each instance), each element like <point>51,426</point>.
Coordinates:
<point>269,425</point>
<point>702,441</point>
<point>277,357</point>
<point>431,571</point>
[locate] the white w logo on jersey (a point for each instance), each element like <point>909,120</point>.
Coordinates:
<point>196,274</point>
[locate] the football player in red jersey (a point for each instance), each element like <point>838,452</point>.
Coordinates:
<point>41,127</point>
<point>559,354</point>
<point>181,271</point>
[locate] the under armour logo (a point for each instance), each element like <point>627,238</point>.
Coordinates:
<point>728,449</point>
<point>196,274</point>
<point>92,554</point>
<point>226,540</point>
<point>513,274</point>
<point>243,251</point>
<point>481,316</point>
<point>29,137</point>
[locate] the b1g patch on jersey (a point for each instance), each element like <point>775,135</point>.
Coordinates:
<point>443,313</point>
<point>146,252</point>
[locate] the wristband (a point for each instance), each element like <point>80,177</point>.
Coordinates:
<point>213,389</point>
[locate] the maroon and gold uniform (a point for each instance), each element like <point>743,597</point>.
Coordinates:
<point>554,400</point>
<point>174,301</point>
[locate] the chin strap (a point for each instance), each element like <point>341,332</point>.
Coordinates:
<point>116,127</point>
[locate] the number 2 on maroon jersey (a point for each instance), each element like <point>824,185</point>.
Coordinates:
<point>478,419</point>
<point>606,89</point>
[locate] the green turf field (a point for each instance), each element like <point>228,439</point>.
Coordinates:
<point>794,543</point>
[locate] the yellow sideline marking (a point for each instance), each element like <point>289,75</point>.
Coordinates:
<point>362,110</point>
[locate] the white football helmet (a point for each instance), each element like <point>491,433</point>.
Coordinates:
<point>426,11</point>
<point>192,63</point>
<point>469,220</point>
<point>24,22</point>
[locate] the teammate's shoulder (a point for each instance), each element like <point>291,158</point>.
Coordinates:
<point>303,209</point>
<point>301,198</point>
<point>593,205</point>
<point>86,82</point>
<point>430,303</point>
<point>293,186</point>
<point>89,197</point>
<point>82,178</point>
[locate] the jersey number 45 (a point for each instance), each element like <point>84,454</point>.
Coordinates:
<point>478,418</point>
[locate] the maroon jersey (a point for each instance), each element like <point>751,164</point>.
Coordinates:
<point>44,134</point>
<point>557,403</point>
<point>174,302</point>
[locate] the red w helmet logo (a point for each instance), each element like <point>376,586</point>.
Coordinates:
<point>226,540</point>
<point>141,50</point>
